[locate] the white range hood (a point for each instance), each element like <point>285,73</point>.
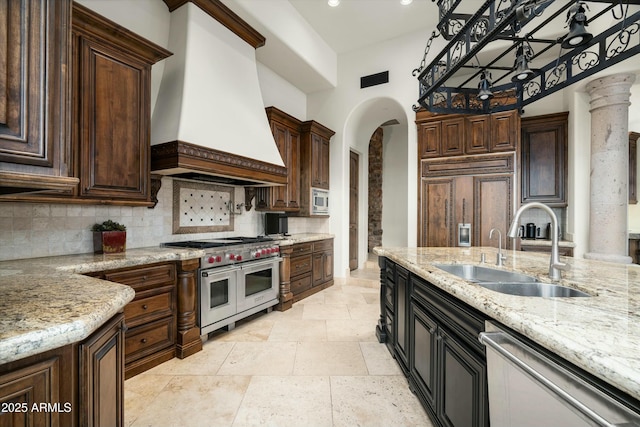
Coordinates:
<point>209,119</point>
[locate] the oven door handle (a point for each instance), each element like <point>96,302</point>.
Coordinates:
<point>214,271</point>
<point>255,264</point>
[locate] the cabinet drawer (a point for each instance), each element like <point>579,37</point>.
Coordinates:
<point>150,305</point>
<point>149,338</point>
<point>301,249</point>
<point>322,245</point>
<point>141,278</point>
<point>301,284</point>
<point>300,265</point>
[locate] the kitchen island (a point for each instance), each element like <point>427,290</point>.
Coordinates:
<point>62,337</point>
<point>598,334</point>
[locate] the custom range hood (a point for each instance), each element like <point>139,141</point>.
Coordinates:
<point>209,120</point>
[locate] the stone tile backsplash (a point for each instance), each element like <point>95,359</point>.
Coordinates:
<point>30,230</point>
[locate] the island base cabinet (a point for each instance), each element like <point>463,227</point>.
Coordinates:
<point>463,385</point>
<point>434,339</point>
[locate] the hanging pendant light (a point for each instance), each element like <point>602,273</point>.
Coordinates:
<point>578,34</point>
<point>484,91</point>
<point>522,71</point>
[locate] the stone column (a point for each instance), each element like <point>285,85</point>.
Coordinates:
<point>608,228</point>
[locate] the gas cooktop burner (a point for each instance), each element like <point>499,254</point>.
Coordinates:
<point>217,243</point>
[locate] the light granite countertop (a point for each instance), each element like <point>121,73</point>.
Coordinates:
<point>546,242</point>
<point>304,238</point>
<point>600,334</point>
<point>47,303</point>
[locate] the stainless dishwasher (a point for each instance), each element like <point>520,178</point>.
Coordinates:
<point>528,389</point>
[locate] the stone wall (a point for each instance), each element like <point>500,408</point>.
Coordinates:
<point>375,190</point>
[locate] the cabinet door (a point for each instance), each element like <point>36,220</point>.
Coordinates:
<point>318,269</point>
<point>112,117</point>
<point>478,134</point>
<point>280,135</point>
<point>423,353</point>
<point>452,137</point>
<point>429,139</point>
<point>293,171</point>
<point>319,162</point>
<point>401,311</point>
<point>436,212</point>
<point>504,131</point>
<point>544,159</point>
<point>102,376</point>
<point>492,208</point>
<point>287,197</point>
<point>33,82</point>
<point>34,384</point>
<point>463,385</point>
<point>328,266</point>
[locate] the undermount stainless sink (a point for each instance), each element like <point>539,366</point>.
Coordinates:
<point>509,282</point>
<point>535,289</point>
<point>476,273</point>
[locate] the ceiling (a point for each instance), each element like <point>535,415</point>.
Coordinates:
<point>354,24</point>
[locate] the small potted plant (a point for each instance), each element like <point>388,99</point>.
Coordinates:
<point>109,237</point>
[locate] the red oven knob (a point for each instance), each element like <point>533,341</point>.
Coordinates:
<point>211,260</point>
<point>276,249</point>
<point>263,251</point>
<point>232,257</point>
<point>257,254</point>
<point>238,257</point>
<point>218,258</point>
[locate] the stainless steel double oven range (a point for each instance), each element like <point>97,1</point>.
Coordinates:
<point>238,276</point>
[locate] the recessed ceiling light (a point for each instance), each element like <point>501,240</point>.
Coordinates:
<point>333,3</point>
<point>405,2</point>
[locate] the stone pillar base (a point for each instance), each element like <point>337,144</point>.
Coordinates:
<point>620,259</point>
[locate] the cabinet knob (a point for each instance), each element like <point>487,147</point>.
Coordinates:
<point>432,331</point>
<point>143,340</point>
<point>145,306</point>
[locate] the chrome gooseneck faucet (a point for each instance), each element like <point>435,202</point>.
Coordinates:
<point>500,259</point>
<point>554,263</point>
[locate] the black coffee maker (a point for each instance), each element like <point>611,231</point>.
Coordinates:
<point>530,231</point>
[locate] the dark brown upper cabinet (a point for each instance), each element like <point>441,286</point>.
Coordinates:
<point>544,159</point>
<point>458,135</point>
<point>34,96</point>
<point>111,109</point>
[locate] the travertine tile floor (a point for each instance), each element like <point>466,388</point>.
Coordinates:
<point>318,364</point>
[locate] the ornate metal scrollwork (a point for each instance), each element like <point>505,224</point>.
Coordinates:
<point>621,42</point>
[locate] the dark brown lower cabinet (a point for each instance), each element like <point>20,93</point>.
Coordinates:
<point>311,268</point>
<point>102,376</point>
<point>436,344</point>
<point>78,384</point>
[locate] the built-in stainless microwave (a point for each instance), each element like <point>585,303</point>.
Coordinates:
<point>319,201</point>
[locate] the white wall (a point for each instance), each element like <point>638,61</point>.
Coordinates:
<point>354,114</point>
<point>279,93</point>
<point>394,182</point>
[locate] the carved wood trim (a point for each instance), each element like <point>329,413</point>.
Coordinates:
<point>156,184</point>
<point>473,165</point>
<point>188,341</point>
<point>286,296</point>
<point>209,161</point>
<point>221,13</point>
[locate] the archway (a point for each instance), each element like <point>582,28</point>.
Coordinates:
<point>359,128</point>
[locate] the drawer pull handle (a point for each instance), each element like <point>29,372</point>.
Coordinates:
<point>145,306</point>
<point>143,340</point>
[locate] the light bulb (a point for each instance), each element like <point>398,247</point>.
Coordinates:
<point>333,3</point>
